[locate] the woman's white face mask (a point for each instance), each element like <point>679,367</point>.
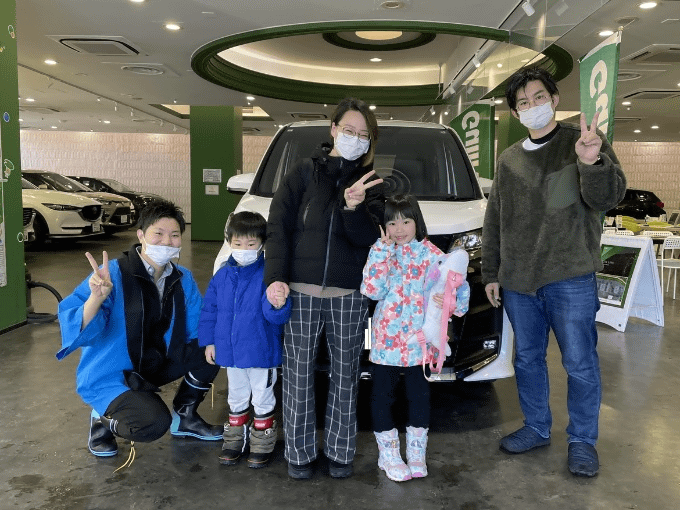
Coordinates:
<point>351,147</point>
<point>537,117</point>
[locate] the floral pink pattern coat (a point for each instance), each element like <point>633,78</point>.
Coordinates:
<point>394,276</point>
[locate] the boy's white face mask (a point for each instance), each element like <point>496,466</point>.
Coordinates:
<point>537,117</point>
<point>245,257</point>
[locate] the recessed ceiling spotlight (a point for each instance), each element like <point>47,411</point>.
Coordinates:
<point>30,99</point>
<point>50,62</point>
<point>498,101</point>
<point>372,107</point>
<point>637,131</point>
<point>606,33</point>
<point>378,35</point>
<point>173,26</point>
<point>499,65</point>
<point>392,4</point>
<point>250,98</point>
<point>137,1</point>
<point>376,59</point>
<point>626,103</point>
<point>107,122</point>
<point>53,127</point>
<point>648,5</point>
<point>655,127</point>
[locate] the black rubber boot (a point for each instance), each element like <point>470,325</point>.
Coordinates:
<point>102,442</point>
<point>185,418</point>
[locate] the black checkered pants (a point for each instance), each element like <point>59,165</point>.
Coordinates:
<point>344,318</point>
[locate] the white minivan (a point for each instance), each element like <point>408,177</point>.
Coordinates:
<point>429,161</point>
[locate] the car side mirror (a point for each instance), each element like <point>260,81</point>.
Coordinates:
<point>240,183</point>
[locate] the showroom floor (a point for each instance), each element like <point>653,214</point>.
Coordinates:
<point>46,464</point>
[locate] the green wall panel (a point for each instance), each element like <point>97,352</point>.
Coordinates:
<point>216,146</point>
<point>12,274</point>
<point>509,130</point>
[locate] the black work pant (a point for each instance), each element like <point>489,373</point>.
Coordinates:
<point>384,395</point>
<point>142,416</point>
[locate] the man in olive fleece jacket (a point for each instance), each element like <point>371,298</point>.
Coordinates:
<point>542,246</point>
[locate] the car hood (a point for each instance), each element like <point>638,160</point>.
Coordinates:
<point>101,195</point>
<point>441,216</point>
<point>44,196</point>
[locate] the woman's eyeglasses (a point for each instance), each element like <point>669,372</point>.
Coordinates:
<point>351,133</point>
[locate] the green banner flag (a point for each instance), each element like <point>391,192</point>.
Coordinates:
<point>599,72</point>
<point>475,127</point>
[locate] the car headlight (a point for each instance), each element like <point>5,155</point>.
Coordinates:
<point>471,241</point>
<point>62,207</point>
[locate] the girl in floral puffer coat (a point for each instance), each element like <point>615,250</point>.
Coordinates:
<point>394,275</point>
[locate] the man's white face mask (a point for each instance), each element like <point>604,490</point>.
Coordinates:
<point>537,117</point>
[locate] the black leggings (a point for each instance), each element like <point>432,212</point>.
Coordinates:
<point>142,416</point>
<point>384,395</point>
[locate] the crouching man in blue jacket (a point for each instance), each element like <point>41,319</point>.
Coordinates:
<point>135,320</point>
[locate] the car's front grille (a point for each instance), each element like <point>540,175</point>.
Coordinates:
<point>91,212</point>
<point>28,215</point>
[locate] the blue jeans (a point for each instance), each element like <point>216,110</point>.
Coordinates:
<point>569,308</point>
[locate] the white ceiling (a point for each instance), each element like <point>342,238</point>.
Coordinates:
<point>66,93</point>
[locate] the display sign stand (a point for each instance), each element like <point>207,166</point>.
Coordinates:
<point>629,284</point>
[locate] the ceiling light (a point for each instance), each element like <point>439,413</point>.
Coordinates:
<point>99,99</point>
<point>498,101</point>
<point>561,7</point>
<point>376,59</point>
<point>107,122</point>
<point>172,26</point>
<point>372,107</point>
<point>476,61</point>
<point>53,127</point>
<point>392,4</point>
<point>606,33</point>
<point>432,112</point>
<point>21,120</point>
<point>655,127</point>
<point>50,62</point>
<point>637,131</point>
<point>378,35</point>
<point>138,1</point>
<point>528,8</point>
<point>648,5</point>
<point>250,98</point>
<point>30,99</point>
<point>625,103</point>
<point>499,65</point>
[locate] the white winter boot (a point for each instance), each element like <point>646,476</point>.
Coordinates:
<point>416,446</point>
<point>390,459</point>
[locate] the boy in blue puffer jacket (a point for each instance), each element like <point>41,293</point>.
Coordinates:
<point>241,330</point>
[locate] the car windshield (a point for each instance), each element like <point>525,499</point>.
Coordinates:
<point>27,185</point>
<point>117,185</point>
<point>56,182</point>
<point>426,162</point>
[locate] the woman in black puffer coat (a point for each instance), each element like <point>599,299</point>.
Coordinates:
<point>323,219</point>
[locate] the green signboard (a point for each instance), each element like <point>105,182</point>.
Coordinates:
<point>599,71</point>
<point>475,127</point>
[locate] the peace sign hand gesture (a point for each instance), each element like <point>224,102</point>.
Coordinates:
<point>385,238</point>
<point>100,281</point>
<point>356,193</point>
<point>589,144</point>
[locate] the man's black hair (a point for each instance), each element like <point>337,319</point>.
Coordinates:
<point>156,211</point>
<point>246,224</point>
<point>519,80</point>
<point>406,206</point>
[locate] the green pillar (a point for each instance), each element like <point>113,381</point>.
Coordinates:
<point>12,273</point>
<point>216,154</point>
<point>509,131</point>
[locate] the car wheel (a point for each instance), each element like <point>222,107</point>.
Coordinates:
<point>41,230</point>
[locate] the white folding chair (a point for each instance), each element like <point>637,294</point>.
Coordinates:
<point>671,243</point>
<point>624,232</point>
<point>658,235</point>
